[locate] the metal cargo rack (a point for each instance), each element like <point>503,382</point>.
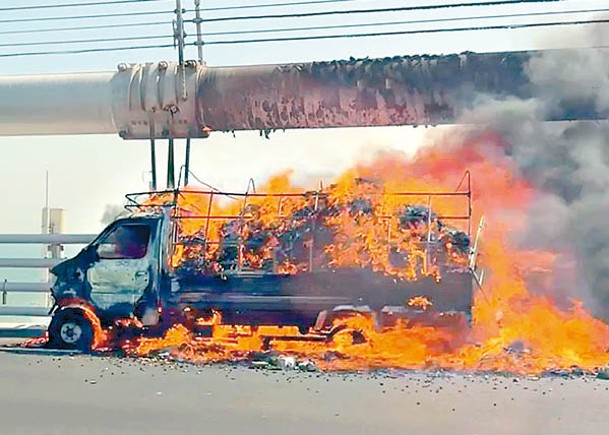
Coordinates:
<point>151,202</point>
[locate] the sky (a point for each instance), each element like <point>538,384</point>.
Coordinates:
<point>88,173</point>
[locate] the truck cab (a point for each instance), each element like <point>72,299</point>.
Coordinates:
<point>118,275</point>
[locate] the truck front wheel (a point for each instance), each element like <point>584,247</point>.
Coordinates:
<point>69,329</point>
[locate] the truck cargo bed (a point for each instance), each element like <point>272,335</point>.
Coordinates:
<point>275,299</point>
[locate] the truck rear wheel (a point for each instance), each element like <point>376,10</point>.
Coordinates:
<point>69,329</point>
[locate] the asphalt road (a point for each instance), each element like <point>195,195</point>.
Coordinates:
<point>50,394</point>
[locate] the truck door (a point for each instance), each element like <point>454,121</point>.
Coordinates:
<point>123,273</point>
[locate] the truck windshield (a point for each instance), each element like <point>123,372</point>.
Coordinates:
<point>125,242</point>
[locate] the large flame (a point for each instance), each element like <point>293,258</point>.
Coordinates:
<point>513,329</point>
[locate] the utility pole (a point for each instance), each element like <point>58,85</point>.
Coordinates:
<point>178,35</point>
<point>199,45</point>
<point>198,23</point>
<point>178,31</point>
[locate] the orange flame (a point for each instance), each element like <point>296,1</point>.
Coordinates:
<point>419,302</point>
<point>513,329</point>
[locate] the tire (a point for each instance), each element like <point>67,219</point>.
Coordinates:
<point>69,329</point>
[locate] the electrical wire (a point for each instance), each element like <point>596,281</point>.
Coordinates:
<point>301,38</point>
<point>408,32</point>
<point>369,11</point>
<point>272,5</point>
<point>393,23</point>
<point>85,41</point>
<point>75,5</point>
<point>85,50</point>
<point>75,28</point>
<point>82,17</point>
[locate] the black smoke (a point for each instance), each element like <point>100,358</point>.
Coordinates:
<point>568,161</point>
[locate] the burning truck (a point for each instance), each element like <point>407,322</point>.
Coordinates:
<point>281,258</point>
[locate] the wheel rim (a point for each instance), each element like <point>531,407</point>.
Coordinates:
<point>70,332</point>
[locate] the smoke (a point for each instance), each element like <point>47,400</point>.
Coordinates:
<point>568,162</point>
<point>111,213</point>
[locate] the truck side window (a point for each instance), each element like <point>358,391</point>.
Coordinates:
<point>127,242</point>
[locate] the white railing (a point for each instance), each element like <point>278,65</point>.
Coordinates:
<point>47,239</point>
<point>7,287</point>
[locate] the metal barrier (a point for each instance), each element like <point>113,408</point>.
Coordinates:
<point>7,287</point>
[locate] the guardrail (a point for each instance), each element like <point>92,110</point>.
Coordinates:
<point>33,263</point>
<point>29,263</point>
<point>7,310</point>
<point>47,239</point>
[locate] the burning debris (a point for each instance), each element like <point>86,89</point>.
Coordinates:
<point>419,301</point>
<point>512,330</point>
<point>320,230</point>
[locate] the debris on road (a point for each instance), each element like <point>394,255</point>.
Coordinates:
<point>603,374</point>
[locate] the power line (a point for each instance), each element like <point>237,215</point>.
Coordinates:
<point>410,32</point>
<point>82,17</point>
<point>85,50</point>
<point>85,41</point>
<point>393,23</point>
<point>273,5</point>
<point>318,37</point>
<point>406,32</point>
<point>66,29</point>
<point>368,11</point>
<point>74,5</point>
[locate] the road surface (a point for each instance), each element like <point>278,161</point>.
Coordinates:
<point>50,394</point>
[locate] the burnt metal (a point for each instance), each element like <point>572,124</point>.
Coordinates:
<point>401,90</point>
<point>297,300</point>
